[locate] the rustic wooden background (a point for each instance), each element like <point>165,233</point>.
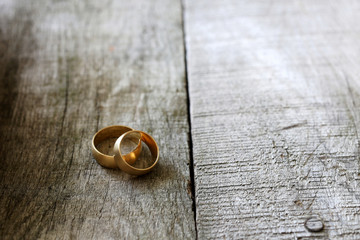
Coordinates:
<point>255,106</point>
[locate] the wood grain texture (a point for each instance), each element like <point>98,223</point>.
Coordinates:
<point>275,113</point>
<point>67,69</point>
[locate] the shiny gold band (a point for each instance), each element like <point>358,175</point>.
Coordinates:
<point>124,165</point>
<point>113,132</point>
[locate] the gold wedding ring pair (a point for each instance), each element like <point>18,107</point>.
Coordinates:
<point>124,161</point>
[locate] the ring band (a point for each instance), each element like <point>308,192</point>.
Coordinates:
<point>126,167</point>
<point>113,132</point>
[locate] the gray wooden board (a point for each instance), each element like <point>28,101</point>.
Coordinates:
<point>275,117</point>
<point>67,69</point>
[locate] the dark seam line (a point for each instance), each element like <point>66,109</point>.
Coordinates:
<point>190,143</point>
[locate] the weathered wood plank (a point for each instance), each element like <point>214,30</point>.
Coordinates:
<point>275,96</point>
<point>67,69</point>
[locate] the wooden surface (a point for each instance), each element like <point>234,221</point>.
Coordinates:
<point>67,69</point>
<point>275,95</point>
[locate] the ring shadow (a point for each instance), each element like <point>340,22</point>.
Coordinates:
<point>160,175</point>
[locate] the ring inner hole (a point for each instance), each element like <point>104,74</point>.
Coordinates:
<point>106,146</point>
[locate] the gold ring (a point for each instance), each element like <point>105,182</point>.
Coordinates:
<point>124,165</point>
<point>113,132</point>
